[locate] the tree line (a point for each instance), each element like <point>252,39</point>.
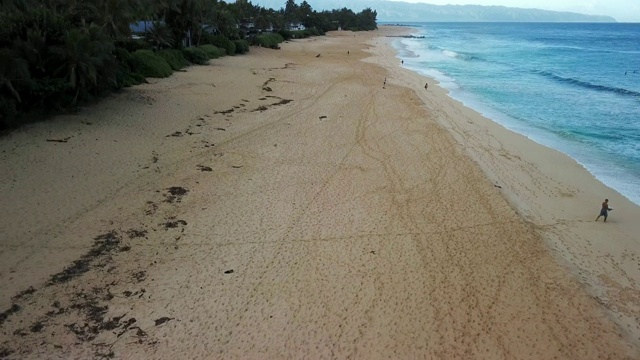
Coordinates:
<point>56,54</point>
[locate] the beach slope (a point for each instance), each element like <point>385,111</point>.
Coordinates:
<point>284,204</point>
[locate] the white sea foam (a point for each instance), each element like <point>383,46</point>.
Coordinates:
<point>451,54</point>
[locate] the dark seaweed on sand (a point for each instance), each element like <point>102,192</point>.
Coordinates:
<point>175,194</point>
<point>4,353</point>
<point>89,304</point>
<point>103,245</point>
<point>10,311</point>
<point>134,233</point>
<point>24,293</point>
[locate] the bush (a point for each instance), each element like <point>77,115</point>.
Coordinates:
<point>222,42</point>
<point>8,113</point>
<point>212,51</point>
<point>122,55</point>
<point>286,34</point>
<point>242,46</point>
<point>174,58</point>
<point>48,93</point>
<point>303,34</point>
<point>313,32</point>
<point>132,45</point>
<point>150,65</point>
<point>124,76</point>
<point>269,40</point>
<point>299,34</point>
<point>196,55</point>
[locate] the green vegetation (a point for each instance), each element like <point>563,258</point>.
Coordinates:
<point>174,58</point>
<point>147,63</point>
<point>196,56</point>
<point>268,40</point>
<point>212,51</point>
<point>242,46</point>
<point>56,54</point>
<point>222,43</point>
<point>125,77</point>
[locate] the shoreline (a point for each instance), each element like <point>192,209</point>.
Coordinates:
<point>550,140</point>
<point>516,162</point>
<point>290,203</point>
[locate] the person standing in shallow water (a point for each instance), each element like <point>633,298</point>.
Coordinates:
<point>604,211</point>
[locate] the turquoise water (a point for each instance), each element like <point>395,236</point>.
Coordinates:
<point>573,87</point>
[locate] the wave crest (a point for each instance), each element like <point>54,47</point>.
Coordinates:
<point>455,55</point>
<point>586,84</point>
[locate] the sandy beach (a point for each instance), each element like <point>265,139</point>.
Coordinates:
<point>295,204</point>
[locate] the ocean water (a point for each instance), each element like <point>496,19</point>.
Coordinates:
<point>573,87</point>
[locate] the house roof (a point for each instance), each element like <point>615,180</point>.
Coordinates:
<point>141,26</point>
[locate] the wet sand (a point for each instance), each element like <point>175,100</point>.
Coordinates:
<point>290,205</point>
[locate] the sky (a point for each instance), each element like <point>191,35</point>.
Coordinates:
<point>621,10</point>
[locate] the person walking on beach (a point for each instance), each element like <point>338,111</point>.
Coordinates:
<point>604,211</point>
<point>426,85</point>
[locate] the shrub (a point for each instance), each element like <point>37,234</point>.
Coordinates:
<point>125,77</point>
<point>8,113</point>
<point>269,40</point>
<point>122,55</point>
<point>242,46</point>
<point>132,45</point>
<point>286,34</point>
<point>299,34</point>
<point>212,51</point>
<point>196,55</point>
<point>222,42</point>
<point>51,93</point>
<point>150,65</point>
<point>174,58</point>
<point>302,34</point>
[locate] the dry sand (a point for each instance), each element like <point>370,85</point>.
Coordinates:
<point>286,205</point>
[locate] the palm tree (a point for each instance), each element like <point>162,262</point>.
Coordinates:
<point>261,22</point>
<point>291,11</point>
<point>159,36</point>
<point>204,13</point>
<point>115,16</point>
<point>81,57</point>
<point>226,24</point>
<point>180,18</point>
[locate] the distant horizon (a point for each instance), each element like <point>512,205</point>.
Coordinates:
<point>620,10</point>
<point>400,22</point>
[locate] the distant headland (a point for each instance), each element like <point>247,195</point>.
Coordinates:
<point>400,11</point>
